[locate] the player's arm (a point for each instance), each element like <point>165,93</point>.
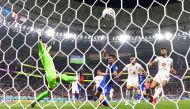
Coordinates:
<point>104,74</point>
<point>120,73</point>
<point>40,43</point>
<point>115,71</point>
<point>39,35</point>
<point>173,71</point>
<point>114,74</point>
<point>94,81</point>
<point>105,54</point>
<point>143,71</point>
<point>51,44</point>
<point>153,62</point>
<point>94,87</point>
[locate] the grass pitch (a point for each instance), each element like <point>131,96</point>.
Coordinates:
<point>183,104</point>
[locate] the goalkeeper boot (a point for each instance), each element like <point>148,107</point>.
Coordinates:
<point>33,104</point>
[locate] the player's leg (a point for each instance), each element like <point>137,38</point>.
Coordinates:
<point>103,100</point>
<point>73,94</point>
<point>139,93</point>
<point>153,85</point>
<point>111,97</point>
<point>134,94</point>
<point>106,91</point>
<point>73,97</point>
<point>164,83</point>
<point>100,89</point>
<point>158,91</point>
<point>128,93</point>
<point>77,94</point>
<point>51,79</point>
<point>66,78</point>
<point>40,97</point>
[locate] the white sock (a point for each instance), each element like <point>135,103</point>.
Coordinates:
<point>127,95</point>
<point>73,96</point>
<point>158,91</point>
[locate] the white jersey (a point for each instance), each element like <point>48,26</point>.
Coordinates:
<point>75,88</point>
<point>133,71</point>
<point>97,80</point>
<point>164,64</point>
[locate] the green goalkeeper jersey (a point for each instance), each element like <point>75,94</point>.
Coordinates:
<point>47,62</point>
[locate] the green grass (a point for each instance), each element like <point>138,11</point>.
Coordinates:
<point>183,104</point>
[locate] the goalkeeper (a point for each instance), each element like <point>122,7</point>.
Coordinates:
<point>52,77</point>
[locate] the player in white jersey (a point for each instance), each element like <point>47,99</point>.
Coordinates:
<point>165,66</point>
<point>75,91</point>
<point>133,69</point>
<point>97,79</point>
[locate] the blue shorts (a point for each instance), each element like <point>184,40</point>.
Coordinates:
<point>142,87</point>
<point>79,87</point>
<point>105,87</point>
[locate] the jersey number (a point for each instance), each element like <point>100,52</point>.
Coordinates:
<point>163,64</point>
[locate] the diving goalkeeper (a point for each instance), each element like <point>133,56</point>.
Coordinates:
<point>52,77</point>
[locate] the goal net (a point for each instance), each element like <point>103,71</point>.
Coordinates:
<point>79,35</point>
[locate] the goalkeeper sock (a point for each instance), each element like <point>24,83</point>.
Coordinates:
<point>68,78</point>
<point>42,95</point>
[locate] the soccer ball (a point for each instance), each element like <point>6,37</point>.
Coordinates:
<point>108,13</point>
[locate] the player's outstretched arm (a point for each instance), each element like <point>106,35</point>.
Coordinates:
<point>119,74</point>
<point>39,33</point>
<point>143,71</point>
<point>150,64</point>
<point>94,87</point>
<point>105,54</point>
<point>173,71</point>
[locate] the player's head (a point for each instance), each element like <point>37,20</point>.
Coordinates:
<point>148,80</point>
<point>163,52</point>
<point>99,72</point>
<point>132,59</point>
<point>111,58</point>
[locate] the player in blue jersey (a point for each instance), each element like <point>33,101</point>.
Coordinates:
<point>141,87</point>
<point>106,83</point>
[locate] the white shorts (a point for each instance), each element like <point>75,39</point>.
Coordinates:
<point>161,77</point>
<point>132,82</point>
<point>75,90</point>
<point>110,95</point>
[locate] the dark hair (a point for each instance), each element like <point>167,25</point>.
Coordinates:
<point>163,49</point>
<point>132,56</point>
<point>112,55</point>
<point>99,70</point>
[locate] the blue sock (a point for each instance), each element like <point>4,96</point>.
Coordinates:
<point>77,97</point>
<point>138,96</point>
<point>105,103</point>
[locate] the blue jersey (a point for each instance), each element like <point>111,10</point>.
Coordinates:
<point>141,82</point>
<point>106,84</point>
<point>141,79</point>
<point>109,71</point>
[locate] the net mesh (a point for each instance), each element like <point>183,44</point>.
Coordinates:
<point>80,35</point>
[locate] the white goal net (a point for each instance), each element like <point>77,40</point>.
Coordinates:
<point>79,35</point>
